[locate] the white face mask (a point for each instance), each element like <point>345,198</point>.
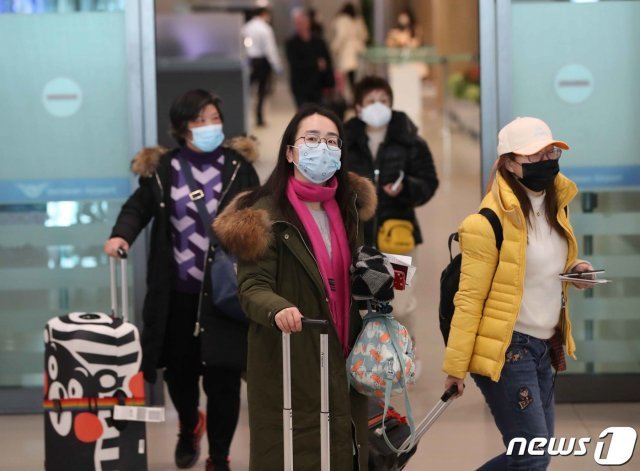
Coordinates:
<point>376,114</point>
<point>318,164</point>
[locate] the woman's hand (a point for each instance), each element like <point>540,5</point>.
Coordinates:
<point>289,320</point>
<point>389,191</point>
<point>112,245</point>
<point>450,381</point>
<point>579,268</point>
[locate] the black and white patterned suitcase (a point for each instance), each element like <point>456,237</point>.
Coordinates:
<point>92,363</point>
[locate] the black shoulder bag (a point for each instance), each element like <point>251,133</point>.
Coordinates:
<point>222,270</point>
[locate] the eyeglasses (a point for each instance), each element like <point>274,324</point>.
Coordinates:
<point>547,154</point>
<point>313,140</point>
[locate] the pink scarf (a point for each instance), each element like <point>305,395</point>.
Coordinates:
<point>335,270</point>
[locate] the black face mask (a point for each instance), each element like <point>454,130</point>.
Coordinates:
<point>540,175</point>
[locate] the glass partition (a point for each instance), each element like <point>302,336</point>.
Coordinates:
<point>67,112</point>
<point>575,65</point>
<point>202,50</point>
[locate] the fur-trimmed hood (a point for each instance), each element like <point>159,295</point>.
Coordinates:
<point>145,162</point>
<point>248,232</point>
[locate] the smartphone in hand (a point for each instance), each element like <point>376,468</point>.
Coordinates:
<point>397,183</point>
<point>589,277</point>
<point>582,274</point>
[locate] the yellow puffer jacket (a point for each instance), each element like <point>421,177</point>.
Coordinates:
<point>481,331</point>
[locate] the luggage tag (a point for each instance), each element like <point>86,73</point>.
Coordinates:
<point>138,414</point>
<point>399,277</point>
<point>403,271</point>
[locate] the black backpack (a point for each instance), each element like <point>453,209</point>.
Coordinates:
<point>450,278</point>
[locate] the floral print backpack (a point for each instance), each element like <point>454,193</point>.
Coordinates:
<point>381,363</point>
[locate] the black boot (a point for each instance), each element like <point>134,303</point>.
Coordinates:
<point>188,446</point>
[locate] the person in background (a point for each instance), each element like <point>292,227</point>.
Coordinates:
<point>348,40</point>
<point>511,320</point>
<point>295,238</point>
<point>406,32</point>
<point>310,66</point>
<point>380,143</point>
<point>263,55</point>
<point>179,246</point>
<point>317,29</point>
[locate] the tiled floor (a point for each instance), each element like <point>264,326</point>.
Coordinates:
<point>464,437</point>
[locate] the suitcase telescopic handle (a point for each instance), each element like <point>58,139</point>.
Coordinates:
<point>124,301</point>
<point>433,415</point>
<point>287,411</point>
<point>321,324</point>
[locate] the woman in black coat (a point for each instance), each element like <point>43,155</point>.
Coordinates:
<point>397,147</point>
<point>176,274</point>
<point>381,143</point>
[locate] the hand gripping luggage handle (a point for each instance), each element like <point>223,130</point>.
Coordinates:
<point>122,254</point>
<point>449,393</point>
<point>287,411</point>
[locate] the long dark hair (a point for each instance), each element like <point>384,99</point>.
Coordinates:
<point>550,199</point>
<point>349,9</point>
<point>412,20</point>
<point>276,185</point>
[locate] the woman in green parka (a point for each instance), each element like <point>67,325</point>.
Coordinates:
<point>294,238</point>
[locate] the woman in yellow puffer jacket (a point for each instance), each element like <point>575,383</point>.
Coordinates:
<point>511,317</point>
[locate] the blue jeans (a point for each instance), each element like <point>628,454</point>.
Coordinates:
<point>522,401</point>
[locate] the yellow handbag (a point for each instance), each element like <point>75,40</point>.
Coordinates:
<point>396,236</point>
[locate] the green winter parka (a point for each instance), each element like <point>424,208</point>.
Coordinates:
<point>276,270</point>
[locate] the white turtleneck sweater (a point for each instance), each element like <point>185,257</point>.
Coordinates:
<point>546,259</point>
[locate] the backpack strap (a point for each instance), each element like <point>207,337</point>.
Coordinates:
<point>452,237</point>
<point>495,224</point>
<point>385,318</point>
<point>411,439</point>
<point>197,196</point>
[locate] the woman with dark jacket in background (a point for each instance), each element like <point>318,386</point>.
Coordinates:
<point>176,274</point>
<point>381,143</point>
<point>295,238</point>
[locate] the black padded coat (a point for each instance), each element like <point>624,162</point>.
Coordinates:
<point>401,149</point>
<point>152,201</point>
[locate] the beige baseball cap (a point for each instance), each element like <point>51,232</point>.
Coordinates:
<point>526,136</point>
